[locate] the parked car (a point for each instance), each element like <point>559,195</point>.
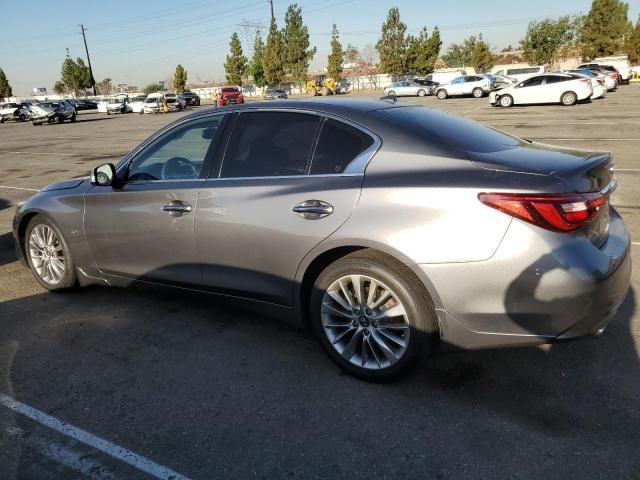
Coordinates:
<point>175,101</point>
<point>51,111</point>
<point>406,88</point>
<point>137,103</point>
<point>425,82</point>
<point>18,111</point>
<point>152,104</point>
<point>274,94</point>
<point>85,104</point>
<point>289,220</point>
<point>597,81</point>
<point>445,77</point>
<point>476,85</point>
<point>504,80</point>
<point>191,98</point>
<point>620,62</point>
<point>521,73</point>
<point>229,96</point>
<point>561,88</point>
<point>119,105</point>
<point>613,78</point>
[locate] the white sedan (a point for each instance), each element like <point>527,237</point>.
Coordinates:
<point>547,88</point>
<point>407,89</point>
<point>475,85</point>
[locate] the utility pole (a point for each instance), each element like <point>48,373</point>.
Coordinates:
<point>271,3</point>
<point>86,49</point>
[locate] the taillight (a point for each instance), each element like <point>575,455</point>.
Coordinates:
<point>559,213</point>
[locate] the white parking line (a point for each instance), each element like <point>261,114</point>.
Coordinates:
<point>20,188</point>
<point>627,169</point>
<point>47,153</point>
<point>127,456</point>
<point>637,244</point>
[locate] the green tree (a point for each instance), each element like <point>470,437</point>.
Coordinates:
<point>256,68</point>
<point>351,54</point>
<point>59,87</point>
<point>632,45</point>
<point>460,55</point>
<point>5,89</point>
<point>104,87</point>
<point>153,88</point>
<point>236,65</point>
<point>605,28</point>
<point>507,49</point>
<point>481,56</point>
<point>548,41</point>
<point>75,75</point>
<point>295,38</point>
<point>391,45</point>
<point>336,57</point>
<point>422,51</point>
<point>180,79</point>
<point>273,63</point>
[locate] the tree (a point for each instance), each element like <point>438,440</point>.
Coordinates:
<point>336,57</point>
<point>256,68</point>
<point>295,38</point>
<point>632,45</point>
<point>351,55</point>
<point>481,56</point>
<point>391,45</point>
<point>75,75</point>
<point>605,28</point>
<point>460,55</point>
<point>5,89</point>
<point>59,87</point>
<point>548,41</point>
<point>180,79</point>
<point>422,51</point>
<point>104,87</point>
<point>507,49</point>
<point>153,88</point>
<point>273,63</point>
<point>236,65</point>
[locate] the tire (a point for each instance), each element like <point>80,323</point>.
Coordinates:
<point>23,117</point>
<point>73,117</point>
<point>68,279</point>
<point>568,99</point>
<point>392,93</point>
<point>477,93</point>
<point>442,94</point>
<point>422,93</point>
<point>326,92</point>
<point>60,118</point>
<point>108,112</point>
<point>415,325</point>
<point>505,101</point>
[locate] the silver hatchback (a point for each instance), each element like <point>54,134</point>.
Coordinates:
<point>391,230</point>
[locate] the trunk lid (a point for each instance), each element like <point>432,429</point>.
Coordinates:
<point>582,171</point>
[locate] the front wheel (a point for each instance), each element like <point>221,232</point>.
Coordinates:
<point>48,255</point>
<point>372,317</point>
<point>477,93</point>
<point>60,118</point>
<point>441,94</point>
<point>422,93</point>
<point>506,101</point>
<point>73,117</point>
<point>568,99</point>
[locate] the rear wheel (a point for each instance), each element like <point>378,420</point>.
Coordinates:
<point>477,93</point>
<point>392,93</point>
<point>568,99</point>
<point>422,93</point>
<point>506,101</point>
<point>73,117</point>
<point>372,317</point>
<point>48,255</point>
<point>442,94</point>
<point>60,118</point>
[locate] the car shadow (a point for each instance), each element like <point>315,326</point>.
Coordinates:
<point>4,203</point>
<point>232,379</point>
<point>7,250</point>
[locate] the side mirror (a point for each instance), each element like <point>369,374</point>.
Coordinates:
<point>103,175</point>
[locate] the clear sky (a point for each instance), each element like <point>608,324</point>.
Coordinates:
<point>138,42</point>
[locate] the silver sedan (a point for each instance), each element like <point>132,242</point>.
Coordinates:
<point>407,89</point>
<point>388,229</point>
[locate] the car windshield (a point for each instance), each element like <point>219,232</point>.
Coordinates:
<point>116,100</point>
<point>151,100</point>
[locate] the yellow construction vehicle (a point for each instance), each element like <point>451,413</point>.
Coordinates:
<point>321,85</point>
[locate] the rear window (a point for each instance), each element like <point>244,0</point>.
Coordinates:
<point>339,144</point>
<point>450,131</point>
<point>229,90</point>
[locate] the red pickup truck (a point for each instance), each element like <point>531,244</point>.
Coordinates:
<point>229,96</point>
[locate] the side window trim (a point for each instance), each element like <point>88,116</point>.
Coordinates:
<point>124,168</point>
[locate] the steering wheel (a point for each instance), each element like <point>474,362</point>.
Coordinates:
<point>178,168</point>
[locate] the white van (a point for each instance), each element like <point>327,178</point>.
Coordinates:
<point>520,73</point>
<point>445,77</point>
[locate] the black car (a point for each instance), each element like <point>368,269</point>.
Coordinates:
<point>425,82</point>
<point>191,98</point>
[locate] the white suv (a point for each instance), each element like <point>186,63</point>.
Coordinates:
<point>475,85</point>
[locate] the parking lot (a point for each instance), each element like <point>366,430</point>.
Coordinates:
<point>178,385</point>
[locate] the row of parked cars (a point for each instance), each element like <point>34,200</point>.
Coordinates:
<point>521,86</point>
<point>48,111</point>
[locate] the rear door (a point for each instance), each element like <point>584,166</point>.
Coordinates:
<point>288,180</point>
<point>529,91</point>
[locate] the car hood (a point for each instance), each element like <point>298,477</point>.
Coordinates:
<point>64,185</point>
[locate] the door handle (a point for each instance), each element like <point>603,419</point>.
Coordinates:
<point>313,209</point>
<point>177,208</point>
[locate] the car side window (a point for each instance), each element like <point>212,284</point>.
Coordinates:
<point>458,80</point>
<point>176,155</point>
<point>338,145</point>
<point>267,144</point>
<point>533,82</point>
<point>555,79</point>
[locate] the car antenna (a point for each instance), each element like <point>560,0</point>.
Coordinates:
<point>389,98</point>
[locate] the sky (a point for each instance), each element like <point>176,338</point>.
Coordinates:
<point>139,42</point>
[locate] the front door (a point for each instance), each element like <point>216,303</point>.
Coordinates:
<point>288,181</point>
<point>145,229</point>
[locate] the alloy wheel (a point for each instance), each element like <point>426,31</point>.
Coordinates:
<point>365,322</point>
<point>47,255</point>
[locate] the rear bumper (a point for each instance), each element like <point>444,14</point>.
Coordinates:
<point>539,287</point>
